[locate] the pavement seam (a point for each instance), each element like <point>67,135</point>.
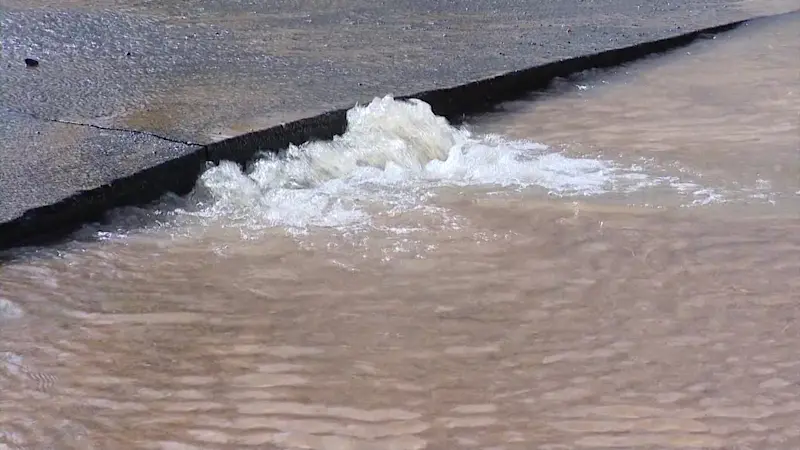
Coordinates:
<point>99,127</point>
<point>145,133</point>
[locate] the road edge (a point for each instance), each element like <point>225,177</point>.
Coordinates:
<point>49,223</point>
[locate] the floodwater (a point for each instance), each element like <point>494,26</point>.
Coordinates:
<point>615,266</point>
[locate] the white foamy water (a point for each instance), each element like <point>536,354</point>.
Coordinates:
<point>392,157</point>
<point>9,309</point>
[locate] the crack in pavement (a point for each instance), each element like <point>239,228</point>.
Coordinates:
<point>145,133</point>
<point>100,127</point>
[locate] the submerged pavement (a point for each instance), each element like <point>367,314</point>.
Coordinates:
<point>123,85</point>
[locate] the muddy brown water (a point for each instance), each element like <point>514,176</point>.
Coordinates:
<point>494,318</point>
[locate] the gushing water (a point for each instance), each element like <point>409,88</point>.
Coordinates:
<point>393,157</point>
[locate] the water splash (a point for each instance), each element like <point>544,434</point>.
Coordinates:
<point>392,157</point>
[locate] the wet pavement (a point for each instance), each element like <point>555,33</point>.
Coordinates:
<point>198,71</point>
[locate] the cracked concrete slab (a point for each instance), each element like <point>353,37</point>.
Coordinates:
<point>202,70</point>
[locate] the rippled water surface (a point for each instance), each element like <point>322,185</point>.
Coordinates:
<point>615,266</point>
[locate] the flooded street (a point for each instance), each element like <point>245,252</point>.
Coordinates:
<point>615,266</point>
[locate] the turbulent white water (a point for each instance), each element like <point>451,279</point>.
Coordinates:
<point>9,309</point>
<point>392,157</point>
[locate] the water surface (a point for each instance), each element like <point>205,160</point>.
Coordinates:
<point>611,267</point>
